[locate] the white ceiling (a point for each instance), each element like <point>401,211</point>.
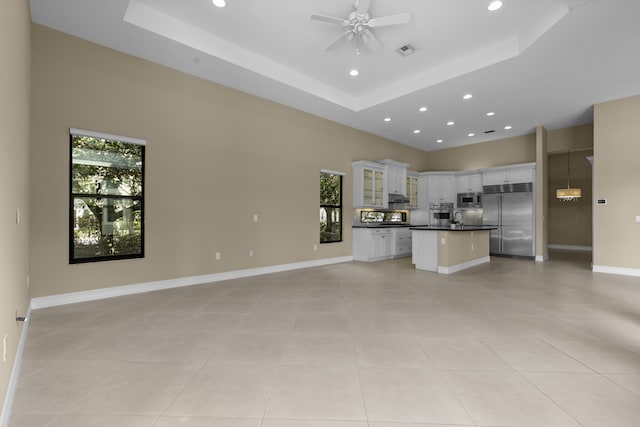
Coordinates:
<point>542,62</point>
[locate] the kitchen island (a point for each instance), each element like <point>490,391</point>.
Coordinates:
<point>447,250</point>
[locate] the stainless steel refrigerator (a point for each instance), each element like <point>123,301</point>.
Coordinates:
<point>513,214</point>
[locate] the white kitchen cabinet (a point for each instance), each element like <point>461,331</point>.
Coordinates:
<point>403,242</point>
<point>368,185</point>
<point>423,190</point>
<point>383,245</point>
<point>510,175</point>
<point>412,190</point>
<point>469,183</point>
<point>373,244</point>
<point>440,187</point>
<point>395,175</point>
<point>516,176</point>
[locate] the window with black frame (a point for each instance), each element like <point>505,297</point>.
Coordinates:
<point>106,203</point>
<point>330,207</point>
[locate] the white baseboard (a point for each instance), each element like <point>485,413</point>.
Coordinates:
<point>83,296</point>
<point>571,248</point>
<point>459,267</point>
<point>616,270</point>
<point>5,415</point>
<point>542,258</point>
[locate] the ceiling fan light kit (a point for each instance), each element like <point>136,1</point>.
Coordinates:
<point>360,24</point>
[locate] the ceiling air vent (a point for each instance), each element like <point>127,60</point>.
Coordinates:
<point>405,50</point>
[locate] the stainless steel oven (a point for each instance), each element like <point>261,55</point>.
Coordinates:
<point>469,200</point>
<point>440,214</point>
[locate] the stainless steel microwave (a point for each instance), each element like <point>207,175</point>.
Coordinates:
<point>469,200</point>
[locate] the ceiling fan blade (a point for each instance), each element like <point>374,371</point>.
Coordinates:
<point>371,41</point>
<point>330,20</point>
<point>401,18</point>
<point>348,36</point>
<point>362,7</point>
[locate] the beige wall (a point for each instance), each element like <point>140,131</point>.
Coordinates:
<point>541,195</point>
<point>572,138</point>
<point>509,151</point>
<point>570,223</point>
<point>14,162</point>
<point>215,157</point>
<point>616,235</point>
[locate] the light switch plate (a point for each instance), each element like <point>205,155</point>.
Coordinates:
<point>637,218</point>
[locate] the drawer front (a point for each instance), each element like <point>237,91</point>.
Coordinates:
<point>381,231</point>
<point>403,249</point>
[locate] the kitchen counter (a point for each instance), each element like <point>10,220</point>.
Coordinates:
<point>461,228</point>
<point>448,250</point>
<point>387,225</point>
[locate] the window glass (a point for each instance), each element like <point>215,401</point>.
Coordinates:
<point>330,207</point>
<point>107,203</point>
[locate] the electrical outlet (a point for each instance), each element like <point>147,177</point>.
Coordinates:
<point>250,252</point>
<point>218,256</point>
<point>315,247</point>
<point>4,348</point>
<point>637,218</point>
<point>255,217</point>
<point>443,241</point>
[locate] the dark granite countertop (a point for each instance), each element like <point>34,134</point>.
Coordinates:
<point>387,225</point>
<point>463,228</point>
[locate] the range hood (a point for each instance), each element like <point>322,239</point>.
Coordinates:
<point>398,198</point>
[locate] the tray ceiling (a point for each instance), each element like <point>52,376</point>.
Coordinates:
<point>529,63</point>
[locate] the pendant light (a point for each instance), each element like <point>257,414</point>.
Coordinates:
<point>568,194</point>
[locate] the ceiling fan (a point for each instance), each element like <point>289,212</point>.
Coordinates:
<point>359,25</point>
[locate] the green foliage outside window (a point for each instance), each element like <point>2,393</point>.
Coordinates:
<point>106,212</point>
<point>330,207</point>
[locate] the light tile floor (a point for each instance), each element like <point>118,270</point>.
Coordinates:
<point>511,343</point>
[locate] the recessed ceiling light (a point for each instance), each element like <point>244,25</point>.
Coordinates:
<point>387,119</point>
<point>354,72</point>
<point>416,131</point>
<point>508,127</point>
<point>491,113</point>
<point>467,96</point>
<point>423,109</point>
<point>450,123</point>
<point>440,141</point>
<point>219,3</point>
<point>472,134</point>
<point>495,5</point>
